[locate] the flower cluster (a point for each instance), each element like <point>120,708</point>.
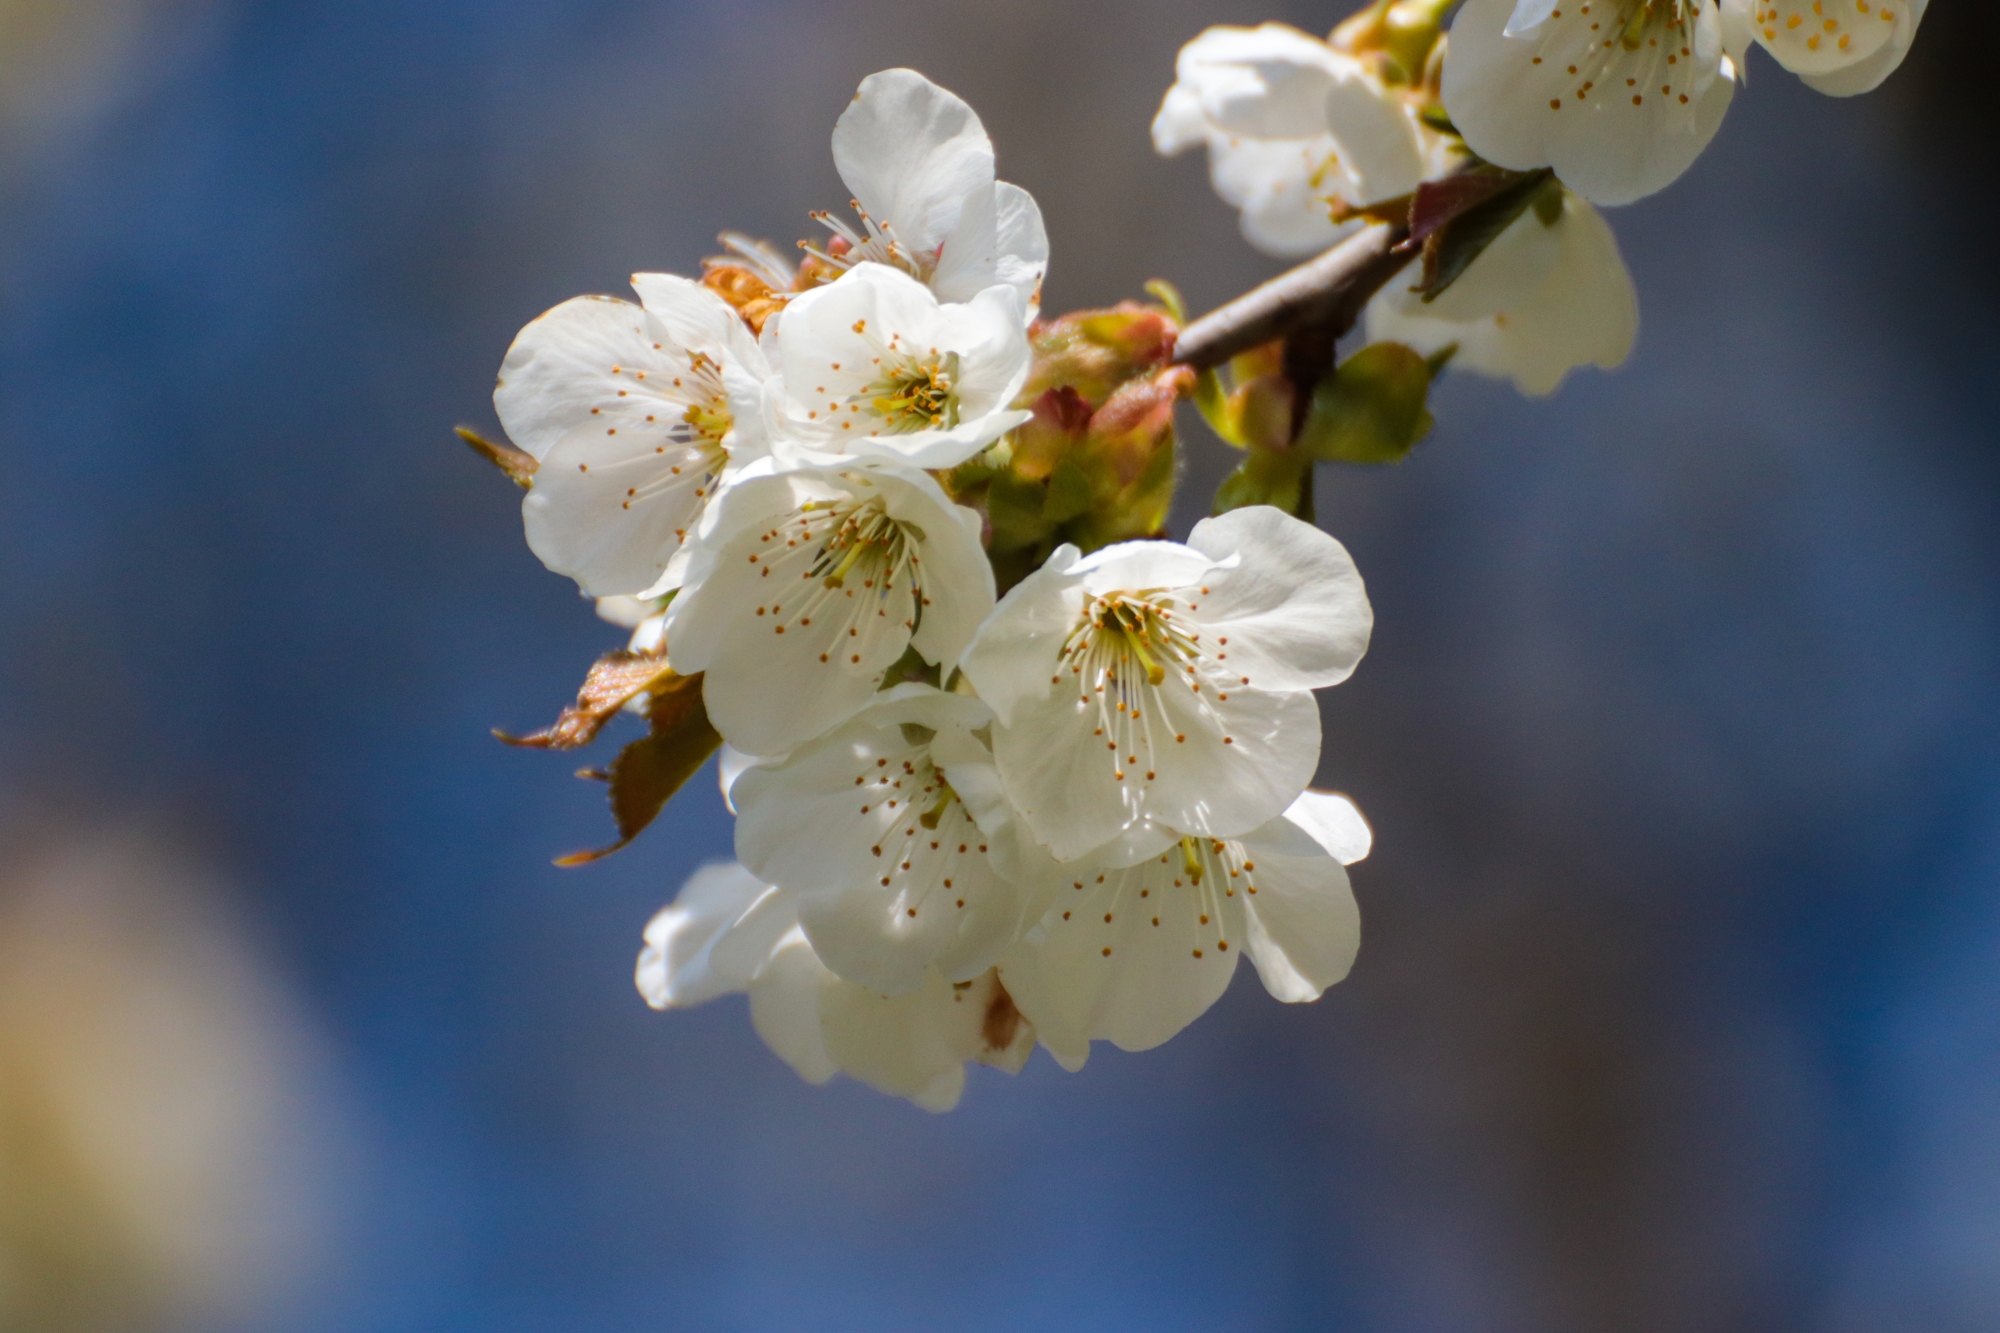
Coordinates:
<point>1614,99</point>
<point>966,822</point>
<point>1010,767</point>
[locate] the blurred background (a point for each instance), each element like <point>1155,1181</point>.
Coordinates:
<point>1679,1007</point>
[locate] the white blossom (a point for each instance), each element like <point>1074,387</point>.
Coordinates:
<point>1544,298</point>
<point>865,828</point>
<point>920,166</point>
<point>728,932</point>
<point>1619,96</point>
<point>1167,684</point>
<point>1294,129</point>
<point>873,366</point>
<point>634,413</point>
<point>804,587</point>
<point>1133,955</point>
<point>1840,47</point>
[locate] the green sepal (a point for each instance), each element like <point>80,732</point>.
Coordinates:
<point>1372,409</point>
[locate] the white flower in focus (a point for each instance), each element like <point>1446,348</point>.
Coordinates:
<point>1293,129</point>
<point>873,366</point>
<point>864,828</point>
<point>1840,47</point>
<point>728,932</point>
<point>1541,300</point>
<point>1132,956</point>
<point>921,169</point>
<point>804,587</point>
<point>1166,684</point>
<point>634,413</point>
<point>1619,96</point>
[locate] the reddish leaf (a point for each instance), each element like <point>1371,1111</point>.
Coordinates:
<point>614,680</point>
<point>647,773</point>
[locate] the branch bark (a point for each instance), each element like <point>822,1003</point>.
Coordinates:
<point>1323,295</point>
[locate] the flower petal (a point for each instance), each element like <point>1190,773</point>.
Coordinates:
<point>912,1045</point>
<point>1304,927</point>
<point>841,823</point>
<point>911,152</point>
<point>785,1002</point>
<point>610,510</point>
<point>592,360</point>
<point>1291,613</point>
<point>1539,302</point>
<point>1129,956</point>
<point>676,968</point>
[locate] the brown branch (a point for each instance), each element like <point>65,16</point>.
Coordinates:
<point>1324,294</point>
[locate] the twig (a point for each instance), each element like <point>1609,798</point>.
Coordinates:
<point>1325,294</point>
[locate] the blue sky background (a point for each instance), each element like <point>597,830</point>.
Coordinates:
<point>1679,1006</point>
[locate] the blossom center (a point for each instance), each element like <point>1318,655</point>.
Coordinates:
<point>1604,51</point>
<point>874,243</point>
<point>847,576</point>
<point>913,393</point>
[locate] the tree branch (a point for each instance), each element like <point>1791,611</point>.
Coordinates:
<point>1324,294</point>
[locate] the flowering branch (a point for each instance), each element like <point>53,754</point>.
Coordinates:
<point>1324,295</point>
<point>1013,767</point>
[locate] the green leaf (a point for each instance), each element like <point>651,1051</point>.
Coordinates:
<point>647,773</point>
<point>1268,477</point>
<point>1372,409</point>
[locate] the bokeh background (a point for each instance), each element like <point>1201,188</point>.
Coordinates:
<point>1679,1006</point>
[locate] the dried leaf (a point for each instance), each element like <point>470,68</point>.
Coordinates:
<point>516,463</point>
<point>647,773</point>
<point>614,680</point>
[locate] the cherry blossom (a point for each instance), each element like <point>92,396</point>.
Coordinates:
<point>1619,96</point>
<point>921,169</point>
<point>804,587</point>
<point>1295,130</point>
<point>636,412</point>
<point>874,366</point>
<point>728,932</point>
<point>865,828</point>
<point>1155,682</point>
<point>1133,955</point>
<point>1840,47</point>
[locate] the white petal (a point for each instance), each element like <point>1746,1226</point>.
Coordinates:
<point>1126,956</point>
<point>999,239</point>
<point>1193,761</point>
<point>911,153</point>
<point>1541,301</point>
<point>1010,660</point>
<point>1627,123</point>
<point>1865,76</point>
<point>581,364</point>
<point>1304,927</point>
<point>1818,39</point>
<point>785,1002</point>
<point>912,1045</point>
<point>1291,614</point>
<point>610,510</point>
<point>1331,821</point>
<point>719,936</point>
